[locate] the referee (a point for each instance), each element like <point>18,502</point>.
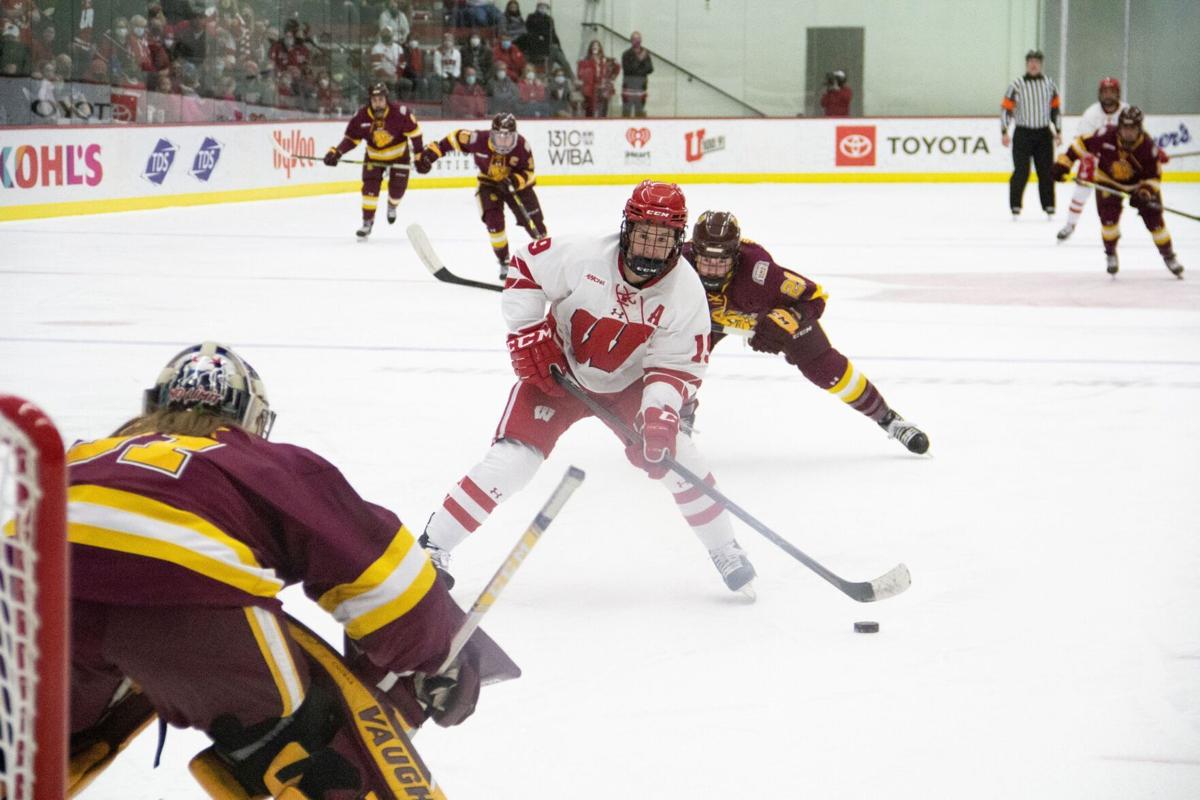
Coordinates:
<point>1033,100</point>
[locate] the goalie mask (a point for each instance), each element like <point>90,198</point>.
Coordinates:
<point>654,223</point>
<point>716,243</point>
<point>212,378</point>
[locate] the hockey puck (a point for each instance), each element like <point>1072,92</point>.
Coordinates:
<point>866,627</point>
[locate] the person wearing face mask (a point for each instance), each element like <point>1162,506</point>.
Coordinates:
<point>1099,115</point>
<point>387,59</point>
<point>447,63</point>
<point>139,48</point>
<point>503,94</point>
<point>533,95</point>
<point>394,18</point>
<point>329,96</point>
<point>468,98</point>
<point>597,74</point>
<point>541,40</point>
<point>559,95</point>
<point>506,177</point>
<point>478,54</point>
<point>392,134</point>
<point>506,52</point>
<point>512,23</point>
<point>637,67</point>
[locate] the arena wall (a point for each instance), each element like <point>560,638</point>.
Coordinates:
<point>49,172</point>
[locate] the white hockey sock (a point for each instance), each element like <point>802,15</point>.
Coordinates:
<point>1078,201</point>
<point>506,468</point>
<point>709,520</point>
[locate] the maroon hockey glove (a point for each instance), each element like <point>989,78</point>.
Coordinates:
<point>534,352</point>
<point>1145,198</point>
<point>332,157</point>
<point>659,428</point>
<point>1059,170</point>
<point>422,163</point>
<point>774,332</point>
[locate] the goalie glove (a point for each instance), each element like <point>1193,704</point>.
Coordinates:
<point>534,353</point>
<point>659,428</point>
<point>779,328</point>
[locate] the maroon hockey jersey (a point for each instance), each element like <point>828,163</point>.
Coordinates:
<point>230,520</point>
<point>494,168</point>
<point>1116,162</point>
<point>756,285</point>
<point>387,135</point>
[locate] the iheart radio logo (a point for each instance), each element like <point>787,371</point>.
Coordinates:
<point>638,137</point>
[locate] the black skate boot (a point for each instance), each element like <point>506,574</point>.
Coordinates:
<point>365,230</point>
<point>503,269</point>
<point>737,571</point>
<point>1066,232</point>
<point>904,432</point>
<point>1111,264</point>
<point>1174,266</point>
<point>391,214</point>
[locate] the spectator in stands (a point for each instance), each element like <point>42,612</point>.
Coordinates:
<point>417,70</point>
<point>533,95</point>
<point>468,98</point>
<point>260,44</point>
<point>637,66</point>
<point>513,24</point>
<point>478,54</point>
<point>560,95</point>
<point>394,18</point>
<point>506,53</point>
<point>541,40</point>
<point>503,93</point>
<point>329,96</point>
<point>45,46</point>
<point>447,63</point>
<point>597,77</point>
<point>15,58</point>
<point>479,14</point>
<point>387,61</point>
<point>835,100</point>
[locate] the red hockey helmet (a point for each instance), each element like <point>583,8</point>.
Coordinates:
<point>1110,83</point>
<point>716,241</point>
<point>656,204</point>
<point>1109,94</point>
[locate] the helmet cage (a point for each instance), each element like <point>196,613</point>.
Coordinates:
<point>660,204</point>
<point>213,378</point>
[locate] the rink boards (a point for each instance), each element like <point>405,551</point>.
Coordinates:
<point>48,172</point>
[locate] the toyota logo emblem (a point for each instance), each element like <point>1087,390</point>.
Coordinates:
<point>855,145</point>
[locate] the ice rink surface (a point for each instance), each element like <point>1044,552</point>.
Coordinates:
<point>1049,646</point>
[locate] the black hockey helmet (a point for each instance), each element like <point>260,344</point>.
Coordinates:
<point>503,135</point>
<point>1131,117</point>
<point>1035,53</point>
<point>716,242</point>
<point>378,87</point>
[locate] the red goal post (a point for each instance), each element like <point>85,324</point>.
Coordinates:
<point>34,597</point>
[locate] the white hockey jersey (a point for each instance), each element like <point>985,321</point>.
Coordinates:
<point>612,332</point>
<point>1097,119</point>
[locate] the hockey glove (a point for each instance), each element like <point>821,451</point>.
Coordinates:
<point>1060,170</point>
<point>778,329</point>
<point>332,157</point>
<point>659,428</point>
<point>450,696</point>
<point>534,351</point>
<point>1145,198</point>
<point>422,163</point>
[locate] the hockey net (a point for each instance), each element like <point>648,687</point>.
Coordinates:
<point>33,605</point>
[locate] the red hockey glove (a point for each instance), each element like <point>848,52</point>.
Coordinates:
<point>534,352</point>
<point>422,163</point>
<point>1060,170</point>
<point>332,157</point>
<point>659,428</point>
<point>778,329</point>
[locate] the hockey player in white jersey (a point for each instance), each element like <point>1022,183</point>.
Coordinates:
<point>633,330</point>
<point>1099,115</point>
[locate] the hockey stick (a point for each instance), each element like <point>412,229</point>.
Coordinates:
<point>566,487</point>
<point>891,583</point>
<point>1184,155</point>
<point>369,163</point>
<point>1121,192</point>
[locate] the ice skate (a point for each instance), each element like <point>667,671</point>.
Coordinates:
<point>1049,213</point>
<point>1016,212</point>
<point>391,214</point>
<point>1066,232</point>
<point>1174,266</point>
<point>439,556</point>
<point>735,568</point>
<point>365,230</point>
<point>1111,264</point>
<point>904,432</point>
<point>503,270</point>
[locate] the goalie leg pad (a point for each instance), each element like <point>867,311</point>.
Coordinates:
<point>94,748</point>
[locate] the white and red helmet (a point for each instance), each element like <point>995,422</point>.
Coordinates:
<point>656,203</point>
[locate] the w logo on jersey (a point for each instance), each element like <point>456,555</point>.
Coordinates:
<point>543,413</point>
<point>606,343</point>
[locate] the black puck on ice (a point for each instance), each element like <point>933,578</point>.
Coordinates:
<point>866,627</point>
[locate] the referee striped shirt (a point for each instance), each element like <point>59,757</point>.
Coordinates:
<point>1033,102</point>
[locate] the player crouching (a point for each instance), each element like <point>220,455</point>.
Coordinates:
<point>1125,159</point>
<point>184,526</point>
<point>392,133</point>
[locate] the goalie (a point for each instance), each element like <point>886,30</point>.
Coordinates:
<point>184,526</point>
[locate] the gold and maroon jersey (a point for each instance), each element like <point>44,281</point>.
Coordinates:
<point>515,166</point>
<point>1118,163</point>
<point>756,285</point>
<point>387,134</point>
<point>229,521</point>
